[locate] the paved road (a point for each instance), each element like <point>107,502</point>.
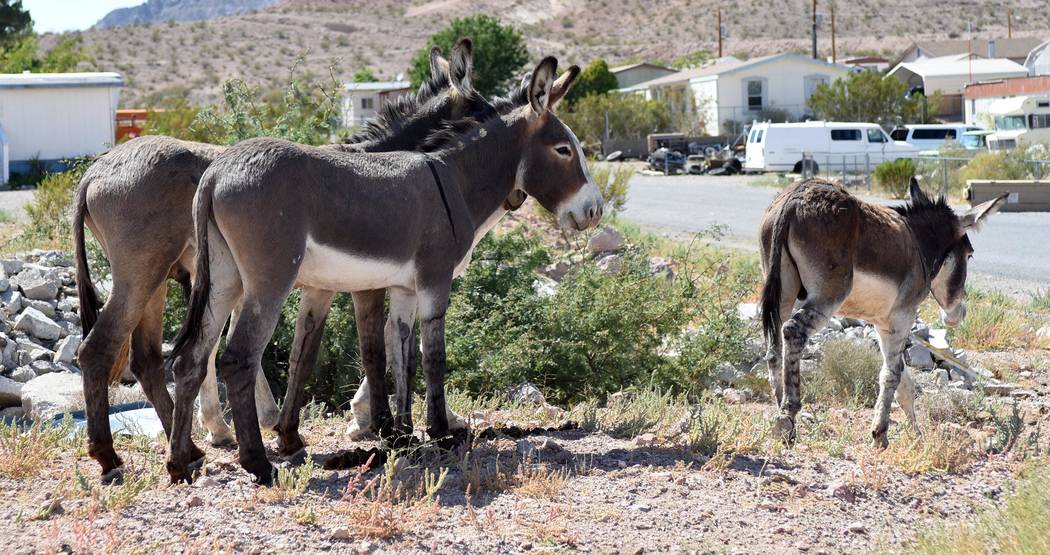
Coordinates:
<point>1012,251</point>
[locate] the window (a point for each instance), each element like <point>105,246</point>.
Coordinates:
<point>1039,121</point>
<point>845,134</point>
<point>899,134</point>
<point>931,134</point>
<point>1009,123</point>
<point>368,103</point>
<point>754,133</point>
<point>760,134</point>
<point>876,136</point>
<point>755,94</point>
<point>1043,104</point>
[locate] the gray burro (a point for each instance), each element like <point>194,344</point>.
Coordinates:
<point>39,336</point>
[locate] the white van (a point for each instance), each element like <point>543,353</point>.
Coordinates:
<point>931,136</point>
<point>1020,119</point>
<point>782,147</point>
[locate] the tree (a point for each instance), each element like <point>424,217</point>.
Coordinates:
<point>594,79</point>
<point>630,115</point>
<point>364,75</point>
<point>24,55</point>
<point>866,96</point>
<point>499,53</point>
<point>15,22</point>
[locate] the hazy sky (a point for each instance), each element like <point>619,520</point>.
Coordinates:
<point>68,15</point>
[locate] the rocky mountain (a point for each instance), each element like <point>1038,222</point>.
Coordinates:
<point>317,38</point>
<point>156,11</point>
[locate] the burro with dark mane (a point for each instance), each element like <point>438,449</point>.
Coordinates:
<point>836,254</point>
<point>271,215</point>
<point>137,199</point>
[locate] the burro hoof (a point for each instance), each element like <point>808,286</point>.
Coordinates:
<point>879,440</point>
<point>114,477</point>
<point>291,445</point>
<point>264,474</point>
<point>224,439</point>
<point>359,432</point>
<point>784,428</point>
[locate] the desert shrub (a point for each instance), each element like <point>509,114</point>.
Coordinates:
<point>50,208</point>
<point>893,177</point>
<point>848,372</point>
<point>598,332</point>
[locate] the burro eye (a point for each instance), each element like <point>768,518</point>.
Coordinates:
<point>563,150</point>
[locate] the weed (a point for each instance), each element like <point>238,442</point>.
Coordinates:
<point>944,448</point>
<point>893,177</point>
<point>848,372</point>
<point>292,482</point>
<point>540,481</point>
<point>1017,526</point>
<point>630,414</point>
<point>395,501</point>
<point>25,452</point>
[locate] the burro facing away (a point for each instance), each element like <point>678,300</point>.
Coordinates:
<point>271,215</point>
<point>836,254</point>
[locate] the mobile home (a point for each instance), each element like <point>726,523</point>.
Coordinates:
<point>46,118</point>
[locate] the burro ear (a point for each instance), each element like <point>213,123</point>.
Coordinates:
<point>461,66</point>
<point>974,218</point>
<point>916,194</point>
<point>541,83</point>
<point>562,85</point>
<point>438,63</point>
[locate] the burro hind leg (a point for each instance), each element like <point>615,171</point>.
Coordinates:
<point>891,341</point>
<point>368,311</point>
<point>239,365</point>
<point>795,332</point>
<point>314,305</point>
<point>433,306</point>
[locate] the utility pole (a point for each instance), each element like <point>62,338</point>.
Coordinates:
<point>1009,24</point>
<point>833,58</point>
<point>814,29</point>
<point>719,32</point>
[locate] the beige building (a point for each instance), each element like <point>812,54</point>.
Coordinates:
<point>362,101</point>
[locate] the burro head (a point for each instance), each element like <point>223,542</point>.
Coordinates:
<point>949,279</point>
<point>553,168</point>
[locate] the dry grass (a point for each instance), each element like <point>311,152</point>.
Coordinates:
<point>540,481</point>
<point>25,452</point>
<point>398,500</point>
<point>995,321</point>
<point>848,373</point>
<point>292,482</point>
<point>1017,527</point>
<point>939,449</point>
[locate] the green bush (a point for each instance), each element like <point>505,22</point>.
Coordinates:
<point>598,332</point>
<point>893,177</point>
<point>613,181</point>
<point>630,115</point>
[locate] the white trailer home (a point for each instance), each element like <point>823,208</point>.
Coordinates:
<point>52,117</point>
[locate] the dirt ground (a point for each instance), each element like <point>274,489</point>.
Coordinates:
<point>572,490</point>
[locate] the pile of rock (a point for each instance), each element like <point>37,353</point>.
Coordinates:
<point>940,366</point>
<point>39,335</point>
<point>606,248</point>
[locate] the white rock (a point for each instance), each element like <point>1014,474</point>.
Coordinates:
<point>38,285</point>
<point>939,338</point>
<point>919,356</point>
<point>66,350</point>
<point>526,393</point>
<point>44,307</point>
<point>52,394</point>
<point>8,351</point>
<point>23,374</point>
<point>747,311</point>
<point>11,265</point>
<point>736,396</point>
<point>38,324</point>
<point>605,239</point>
<point>5,284</point>
<point>69,304</point>
<point>10,392</point>
<point>340,534</point>
<point>12,301</point>
<point>1000,389</point>
<point>610,264</point>
<point>12,412</point>
<point>941,377</point>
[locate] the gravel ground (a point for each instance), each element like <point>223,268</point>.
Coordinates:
<point>14,202</point>
<point>591,493</point>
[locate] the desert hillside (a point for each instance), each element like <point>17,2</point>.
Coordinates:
<point>262,47</point>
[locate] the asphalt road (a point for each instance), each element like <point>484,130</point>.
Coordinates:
<point>1012,252</point>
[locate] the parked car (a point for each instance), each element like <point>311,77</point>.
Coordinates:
<point>931,136</point>
<point>788,147</point>
<point>666,160</point>
<point>1020,119</point>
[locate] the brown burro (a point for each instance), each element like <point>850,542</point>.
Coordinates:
<point>271,215</point>
<point>137,199</point>
<point>837,255</point>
